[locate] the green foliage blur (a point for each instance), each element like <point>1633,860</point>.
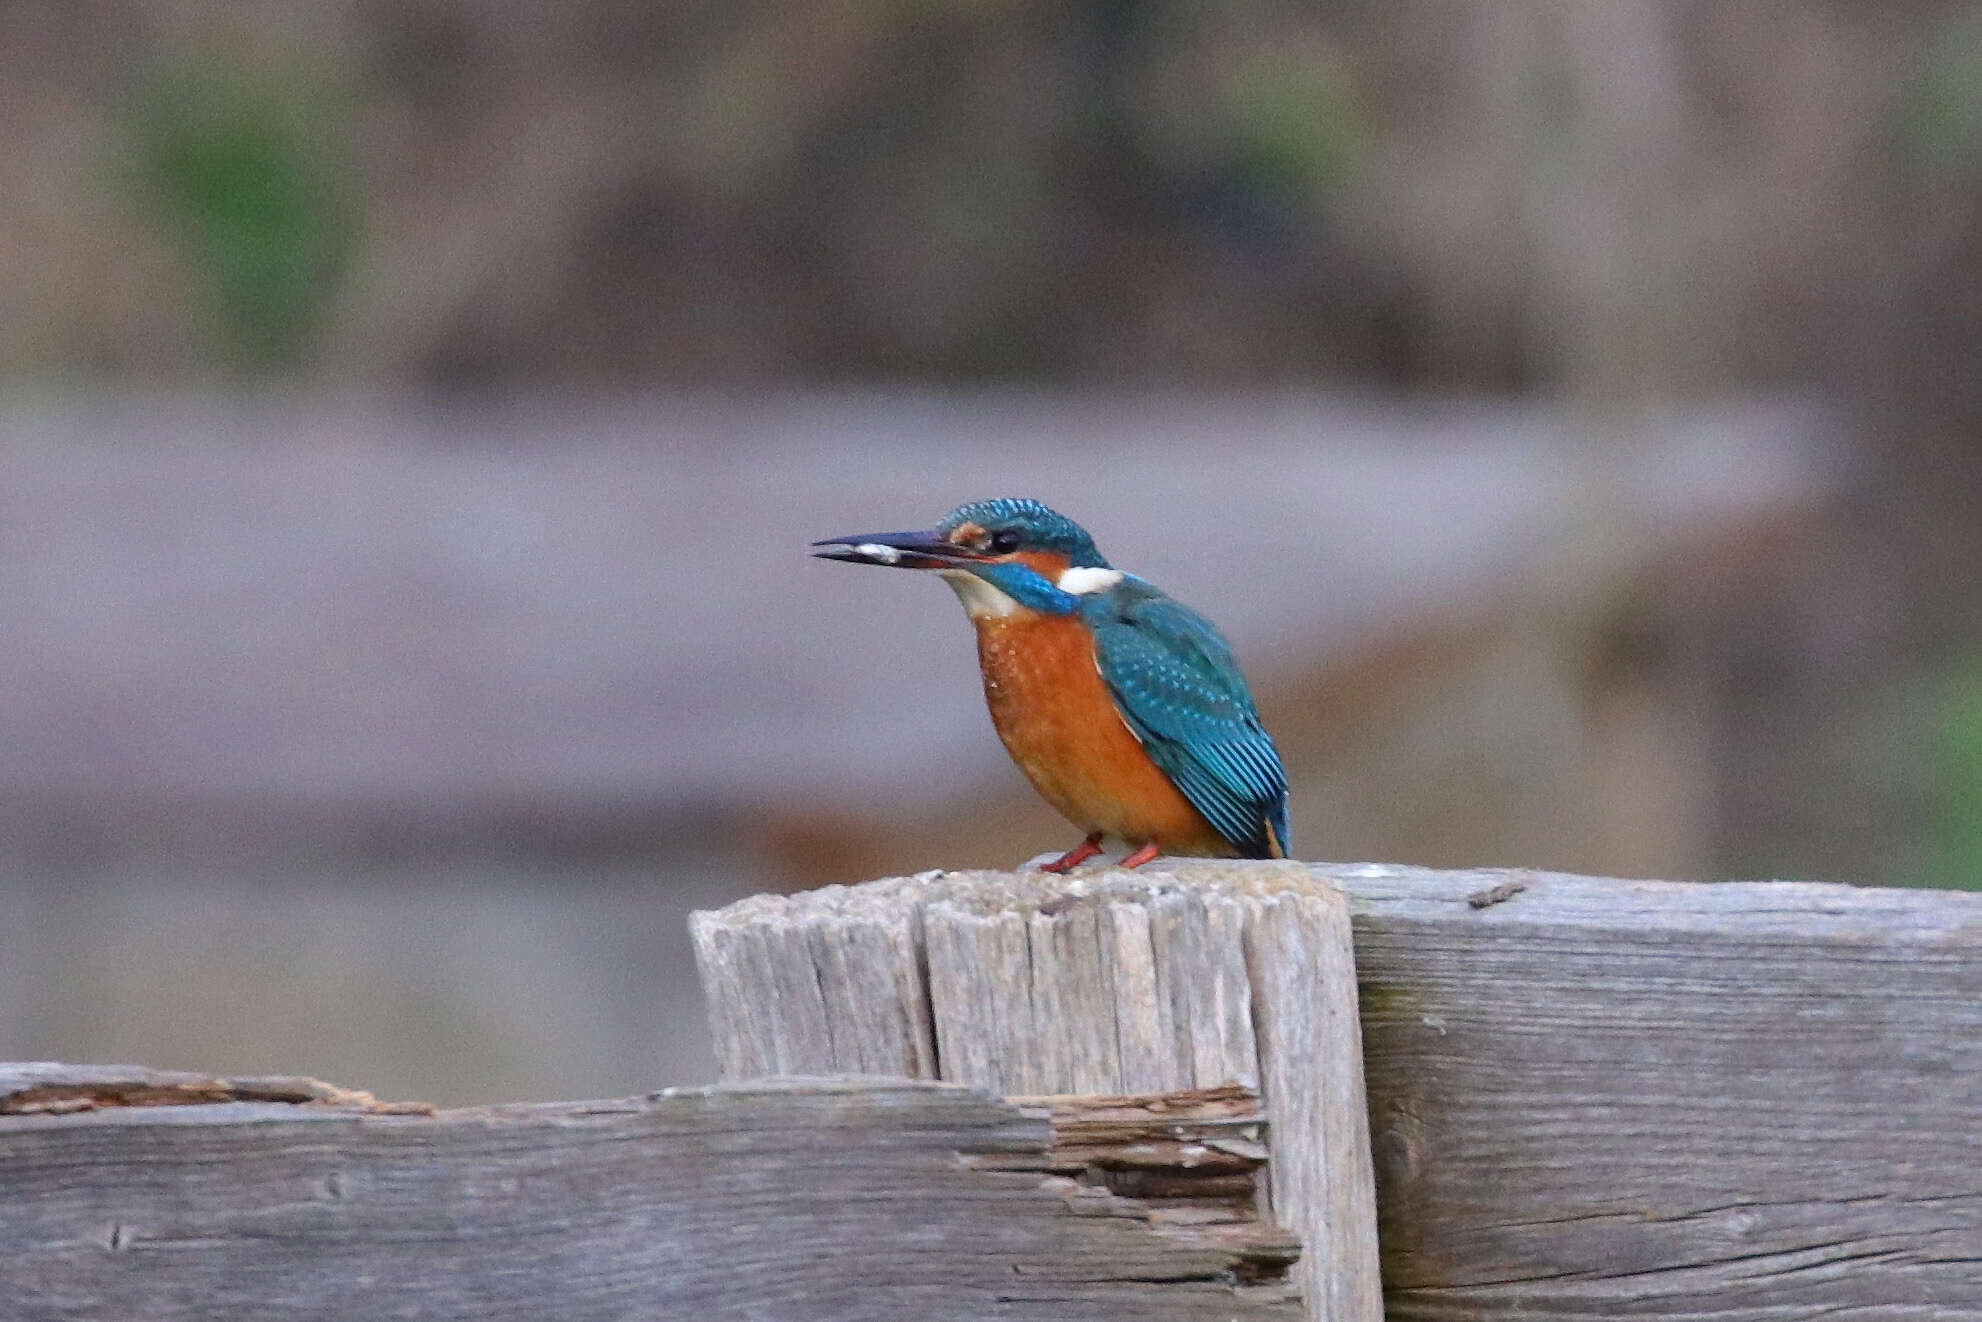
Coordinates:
<point>1940,108</point>
<point>1954,765</point>
<point>242,173</point>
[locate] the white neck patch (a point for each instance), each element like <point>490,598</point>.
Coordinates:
<point>1087,579</point>
<point>980,599</point>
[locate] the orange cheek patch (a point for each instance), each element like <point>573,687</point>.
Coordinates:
<point>1049,565</point>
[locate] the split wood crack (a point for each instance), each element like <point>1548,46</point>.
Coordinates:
<point>1188,1163</point>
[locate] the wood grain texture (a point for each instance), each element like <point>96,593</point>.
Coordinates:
<point>826,1200</point>
<point>1599,1099</point>
<point>1593,1098</point>
<point>1589,1099</point>
<point>1311,1047</point>
<point>1193,974</point>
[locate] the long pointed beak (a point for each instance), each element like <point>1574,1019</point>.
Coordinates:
<point>900,550</point>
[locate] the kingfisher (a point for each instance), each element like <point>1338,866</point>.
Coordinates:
<point>1124,708</point>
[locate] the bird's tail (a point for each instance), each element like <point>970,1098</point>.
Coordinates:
<point>1279,842</point>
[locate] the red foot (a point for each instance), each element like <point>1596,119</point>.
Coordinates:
<point>1074,857</point>
<point>1140,857</point>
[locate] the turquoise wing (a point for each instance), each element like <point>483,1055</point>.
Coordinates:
<point>1177,685</point>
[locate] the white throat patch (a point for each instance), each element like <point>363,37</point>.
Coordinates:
<point>980,600</point>
<point>1084,580</point>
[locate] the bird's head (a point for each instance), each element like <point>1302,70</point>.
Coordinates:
<point>1000,555</point>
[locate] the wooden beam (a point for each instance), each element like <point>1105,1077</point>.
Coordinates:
<point>131,1194</point>
<point>1746,1101</point>
<point>1103,982</point>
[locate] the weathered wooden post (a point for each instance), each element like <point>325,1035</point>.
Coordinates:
<point>1194,976</point>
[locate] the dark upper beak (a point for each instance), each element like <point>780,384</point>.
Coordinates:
<point>902,550</point>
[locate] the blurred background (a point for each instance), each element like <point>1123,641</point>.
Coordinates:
<point>412,416</point>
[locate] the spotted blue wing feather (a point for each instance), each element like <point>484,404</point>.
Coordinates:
<point>1177,685</point>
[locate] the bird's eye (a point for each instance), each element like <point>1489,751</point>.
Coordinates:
<point>1004,541</point>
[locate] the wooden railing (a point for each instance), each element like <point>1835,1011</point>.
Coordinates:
<point>1119,1095</point>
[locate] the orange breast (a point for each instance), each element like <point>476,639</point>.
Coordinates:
<point>1060,725</point>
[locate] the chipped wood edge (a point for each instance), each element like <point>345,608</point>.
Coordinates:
<point>56,1088</point>
<point>1192,1164</point>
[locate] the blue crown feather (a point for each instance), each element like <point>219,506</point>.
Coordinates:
<point>1038,526</point>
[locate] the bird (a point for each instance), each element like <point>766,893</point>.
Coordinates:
<point>1123,707</point>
